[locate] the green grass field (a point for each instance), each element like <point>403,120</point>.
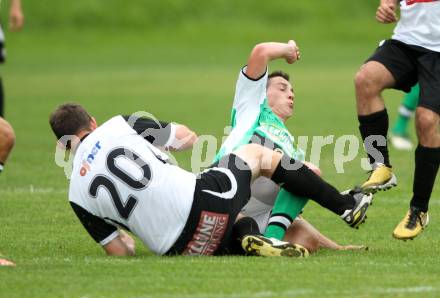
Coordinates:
<point>188,76</point>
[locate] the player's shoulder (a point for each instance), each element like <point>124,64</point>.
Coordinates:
<point>244,77</point>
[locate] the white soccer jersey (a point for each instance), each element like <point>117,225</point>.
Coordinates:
<point>419,24</point>
<point>120,177</point>
<point>248,101</point>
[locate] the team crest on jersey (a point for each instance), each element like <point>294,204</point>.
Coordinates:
<point>87,162</point>
<point>208,235</point>
<point>279,135</point>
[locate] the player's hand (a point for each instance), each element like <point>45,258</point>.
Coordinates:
<point>4,262</point>
<point>292,53</point>
<point>127,239</point>
<point>16,18</point>
<point>352,247</point>
<point>386,13</point>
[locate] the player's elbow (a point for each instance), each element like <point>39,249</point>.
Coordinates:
<point>261,52</point>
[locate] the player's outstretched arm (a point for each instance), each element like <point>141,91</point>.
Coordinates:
<point>304,233</point>
<point>386,12</point>
<point>265,52</point>
<point>121,246</point>
<point>173,136</point>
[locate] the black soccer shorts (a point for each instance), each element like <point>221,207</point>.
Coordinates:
<point>411,64</point>
<point>220,193</point>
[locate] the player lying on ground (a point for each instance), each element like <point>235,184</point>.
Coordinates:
<point>121,179</point>
<point>262,105</point>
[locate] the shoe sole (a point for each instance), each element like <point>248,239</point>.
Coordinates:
<point>407,238</point>
<point>392,182</point>
<point>404,238</point>
<point>257,247</point>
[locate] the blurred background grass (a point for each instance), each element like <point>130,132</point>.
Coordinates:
<point>179,60</point>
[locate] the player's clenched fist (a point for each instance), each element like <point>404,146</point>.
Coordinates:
<point>386,13</point>
<point>293,53</point>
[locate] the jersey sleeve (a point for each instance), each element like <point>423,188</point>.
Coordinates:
<point>249,95</point>
<point>158,133</point>
<point>101,231</point>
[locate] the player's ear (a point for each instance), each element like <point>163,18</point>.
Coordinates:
<point>93,124</point>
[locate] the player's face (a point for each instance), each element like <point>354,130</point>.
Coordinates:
<point>281,97</point>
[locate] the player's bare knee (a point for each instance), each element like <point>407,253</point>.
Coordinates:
<point>250,151</point>
<point>251,154</point>
<point>427,123</point>
<point>371,79</point>
<point>317,171</point>
<point>314,168</point>
<point>365,85</point>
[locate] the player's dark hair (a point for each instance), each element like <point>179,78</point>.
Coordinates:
<point>279,73</point>
<point>68,119</point>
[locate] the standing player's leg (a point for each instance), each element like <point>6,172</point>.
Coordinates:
<point>427,161</point>
<point>389,67</point>
<point>7,140</point>
<point>299,180</point>
<point>399,133</point>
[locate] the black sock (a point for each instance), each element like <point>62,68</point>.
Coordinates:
<point>427,164</point>
<point>375,124</point>
<point>243,227</point>
<point>299,180</point>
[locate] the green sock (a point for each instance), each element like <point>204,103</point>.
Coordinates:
<point>286,209</point>
<point>406,110</point>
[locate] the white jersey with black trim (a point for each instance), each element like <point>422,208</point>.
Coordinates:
<point>249,98</point>
<point>419,24</point>
<point>120,177</point>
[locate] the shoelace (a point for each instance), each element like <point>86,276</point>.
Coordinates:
<point>412,221</point>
